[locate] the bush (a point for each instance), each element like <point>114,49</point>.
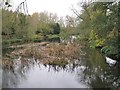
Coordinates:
<point>11,41</point>
<point>15,41</point>
<point>110,51</point>
<point>37,38</point>
<point>95,41</point>
<point>99,42</point>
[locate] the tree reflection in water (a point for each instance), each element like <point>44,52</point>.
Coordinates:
<point>14,71</point>
<point>90,70</point>
<point>99,74</point>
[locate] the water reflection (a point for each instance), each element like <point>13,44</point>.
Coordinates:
<point>15,71</point>
<point>99,74</point>
<point>24,72</point>
<point>89,71</point>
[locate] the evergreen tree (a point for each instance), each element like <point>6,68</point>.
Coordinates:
<point>56,29</point>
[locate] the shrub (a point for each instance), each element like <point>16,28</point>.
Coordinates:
<point>109,50</point>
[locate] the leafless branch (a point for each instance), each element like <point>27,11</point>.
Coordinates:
<point>76,13</point>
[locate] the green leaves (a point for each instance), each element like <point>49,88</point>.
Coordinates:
<point>101,24</point>
<point>110,50</point>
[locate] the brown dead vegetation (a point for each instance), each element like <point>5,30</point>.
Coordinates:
<point>50,52</point>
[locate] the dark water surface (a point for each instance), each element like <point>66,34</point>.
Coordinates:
<point>91,71</point>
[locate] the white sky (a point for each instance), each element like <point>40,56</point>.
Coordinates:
<point>60,7</point>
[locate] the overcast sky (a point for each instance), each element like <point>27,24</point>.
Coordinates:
<point>60,7</point>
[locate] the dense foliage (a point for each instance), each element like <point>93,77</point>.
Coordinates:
<point>100,24</point>
<point>26,28</point>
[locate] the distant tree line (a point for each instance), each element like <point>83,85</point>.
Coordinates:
<point>20,26</point>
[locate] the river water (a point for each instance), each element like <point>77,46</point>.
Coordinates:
<point>90,71</point>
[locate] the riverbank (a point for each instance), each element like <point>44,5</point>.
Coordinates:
<point>48,52</point>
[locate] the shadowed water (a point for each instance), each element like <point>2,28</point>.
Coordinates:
<point>91,71</point>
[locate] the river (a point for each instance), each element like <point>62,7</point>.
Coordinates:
<point>89,71</point>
